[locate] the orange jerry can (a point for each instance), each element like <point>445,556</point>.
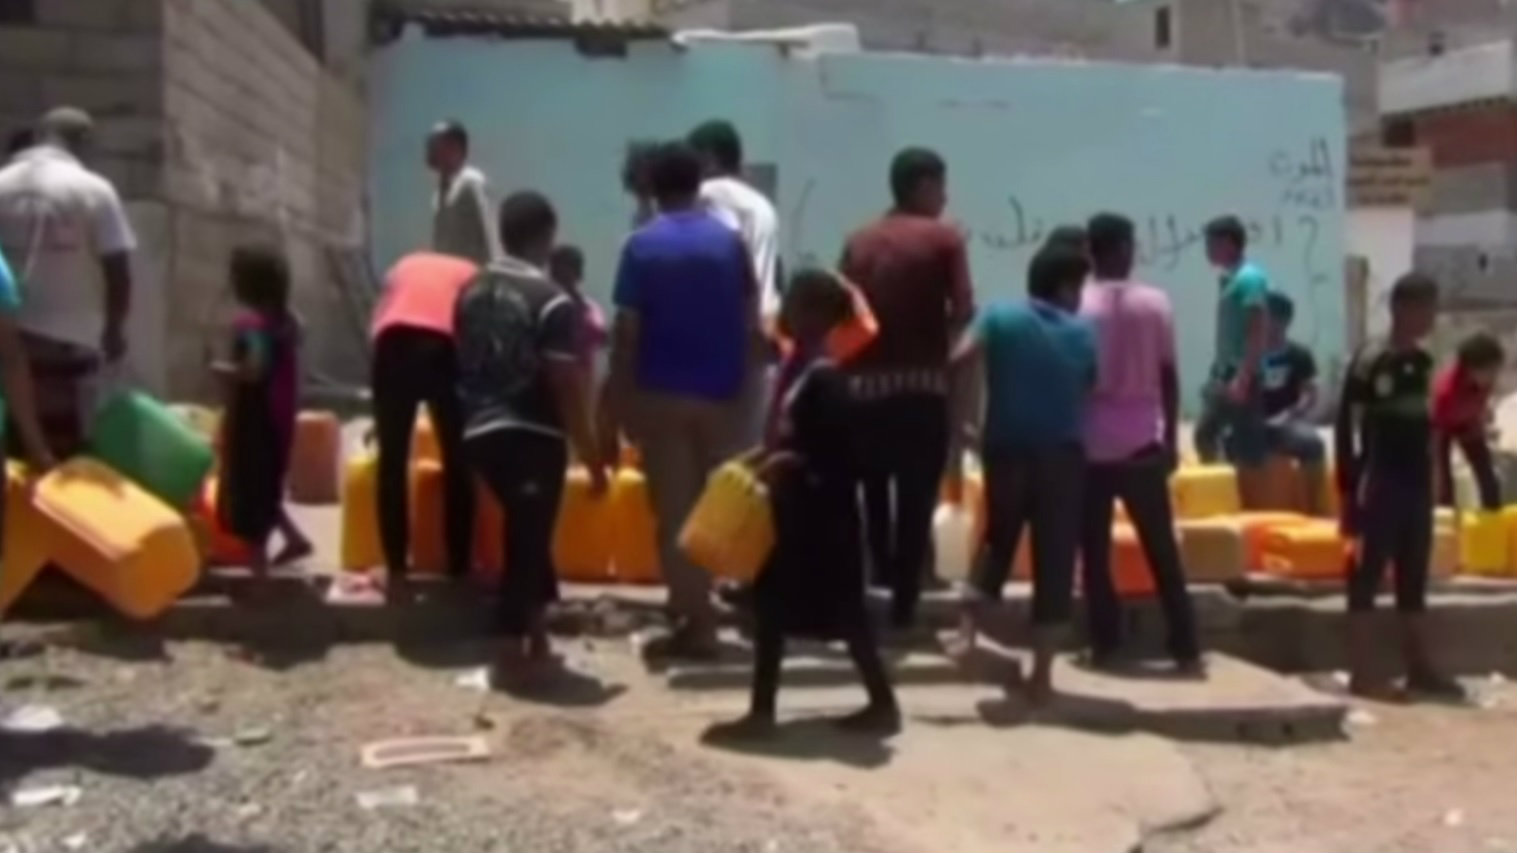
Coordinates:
<point>1129,565</point>
<point>361,549</point>
<point>424,446</point>
<point>489,546</point>
<point>26,544</point>
<point>634,532</point>
<point>221,547</point>
<point>314,458</point>
<point>1313,550</point>
<point>115,538</point>
<point>1256,524</point>
<point>583,540</point>
<point>1270,486</point>
<point>429,553</point>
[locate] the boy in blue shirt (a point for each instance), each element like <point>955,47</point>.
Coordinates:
<point>1039,365</point>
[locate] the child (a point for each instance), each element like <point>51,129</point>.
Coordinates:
<point>1384,439</point>
<point>1289,377</point>
<point>525,399</point>
<point>813,584</point>
<point>1461,397</point>
<point>259,425</point>
<point>1039,365</point>
<point>566,266</point>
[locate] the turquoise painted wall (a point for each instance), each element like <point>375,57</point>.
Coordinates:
<point>1029,145</point>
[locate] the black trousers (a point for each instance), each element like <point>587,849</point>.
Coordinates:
<point>1142,483</point>
<point>1395,526</point>
<point>1040,489</point>
<point>904,445</point>
<point>769,656</point>
<point>414,367</point>
<point>525,471</point>
<point>1478,454</point>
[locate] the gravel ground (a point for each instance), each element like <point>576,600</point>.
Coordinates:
<point>1409,778</point>
<point>150,744</point>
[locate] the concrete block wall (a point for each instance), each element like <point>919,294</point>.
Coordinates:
<point>263,146</point>
<point>101,55</point>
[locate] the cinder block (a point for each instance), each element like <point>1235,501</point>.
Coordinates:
<point>105,95</point>
<point>83,14</point>
<point>117,52</point>
<point>35,48</point>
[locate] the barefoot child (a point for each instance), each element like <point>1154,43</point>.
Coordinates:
<point>1461,402</point>
<point>1384,438</point>
<point>259,425</point>
<point>813,584</point>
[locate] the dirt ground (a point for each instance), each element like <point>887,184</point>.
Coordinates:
<point>180,747</point>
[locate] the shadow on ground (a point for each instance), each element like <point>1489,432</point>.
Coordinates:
<point>196,844</point>
<point>811,739</point>
<point>151,752</point>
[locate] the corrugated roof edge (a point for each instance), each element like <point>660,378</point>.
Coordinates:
<point>389,19</point>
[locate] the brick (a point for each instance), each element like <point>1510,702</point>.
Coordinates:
<point>118,52</point>
<point>105,96</point>
<point>83,14</point>
<point>34,48</point>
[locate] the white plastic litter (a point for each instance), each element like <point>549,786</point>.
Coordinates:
<point>33,719</point>
<point>627,817</point>
<point>1453,817</point>
<point>475,679</point>
<point>402,795</point>
<point>48,795</point>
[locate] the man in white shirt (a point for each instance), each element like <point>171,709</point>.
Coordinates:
<point>742,207</point>
<point>461,209</point>
<point>66,233</point>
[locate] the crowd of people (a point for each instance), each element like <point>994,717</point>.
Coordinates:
<point>845,389</point>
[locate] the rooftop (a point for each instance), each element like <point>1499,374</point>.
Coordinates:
<point>1470,74</point>
<point>531,20</point>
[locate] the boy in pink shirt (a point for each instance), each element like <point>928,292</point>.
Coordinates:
<point>1130,441</point>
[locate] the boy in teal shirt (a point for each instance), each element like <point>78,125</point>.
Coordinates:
<point>1233,407</point>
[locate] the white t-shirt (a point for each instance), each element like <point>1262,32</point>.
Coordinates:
<point>57,219</point>
<point>461,218</point>
<point>746,211</point>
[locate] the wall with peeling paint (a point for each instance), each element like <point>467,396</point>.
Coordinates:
<point>1029,145</point>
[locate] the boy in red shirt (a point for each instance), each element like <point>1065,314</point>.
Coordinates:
<point>1461,397</point>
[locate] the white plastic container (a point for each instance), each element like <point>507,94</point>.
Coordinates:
<point>953,541</point>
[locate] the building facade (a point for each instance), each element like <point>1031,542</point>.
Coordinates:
<point>218,124</point>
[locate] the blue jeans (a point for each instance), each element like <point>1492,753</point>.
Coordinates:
<point>1240,426</point>
<point>1297,440</point>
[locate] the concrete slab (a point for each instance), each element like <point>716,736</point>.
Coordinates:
<point>1237,701</point>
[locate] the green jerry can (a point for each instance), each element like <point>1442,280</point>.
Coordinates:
<point>146,442</point>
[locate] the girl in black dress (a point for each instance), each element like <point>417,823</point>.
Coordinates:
<point>813,584</point>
